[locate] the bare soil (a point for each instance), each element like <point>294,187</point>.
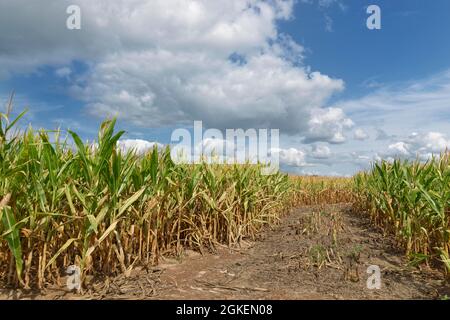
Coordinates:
<point>313,253</point>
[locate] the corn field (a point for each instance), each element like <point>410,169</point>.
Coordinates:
<point>65,203</point>
<point>412,201</point>
<point>318,190</point>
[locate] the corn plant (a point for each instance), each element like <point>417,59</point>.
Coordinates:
<point>411,200</point>
<point>66,202</point>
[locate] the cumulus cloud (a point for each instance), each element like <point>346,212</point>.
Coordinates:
<point>398,149</point>
<point>291,157</point>
<point>422,146</point>
<point>328,125</point>
<point>360,134</point>
<point>321,152</point>
<point>434,142</point>
<point>138,146</point>
<point>167,62</point>
<point>160,88</point>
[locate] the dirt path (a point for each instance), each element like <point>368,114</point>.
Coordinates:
<point>314,253</point>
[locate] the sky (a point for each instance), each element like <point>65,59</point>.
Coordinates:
<point>341,94</point>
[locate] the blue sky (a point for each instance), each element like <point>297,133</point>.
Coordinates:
<point>410,45</point>
<point>342,95</point>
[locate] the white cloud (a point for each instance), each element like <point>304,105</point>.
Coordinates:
<point>265,92</point>
<point>392,112</point>
<point>416,145</point>
<point>398,148</point>
<point>328,125</point>
<point>321,152</point>
<point>38,31</point>
<point>402,108</point>
<point>138,146</point>
<point>291,157</point>
<point>166,62</point>
<point>434,142</point>
<point>360,134</point>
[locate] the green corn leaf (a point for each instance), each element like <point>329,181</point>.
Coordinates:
<point>13,238</point>
<point>61,250</point>
<point>131,200</point>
